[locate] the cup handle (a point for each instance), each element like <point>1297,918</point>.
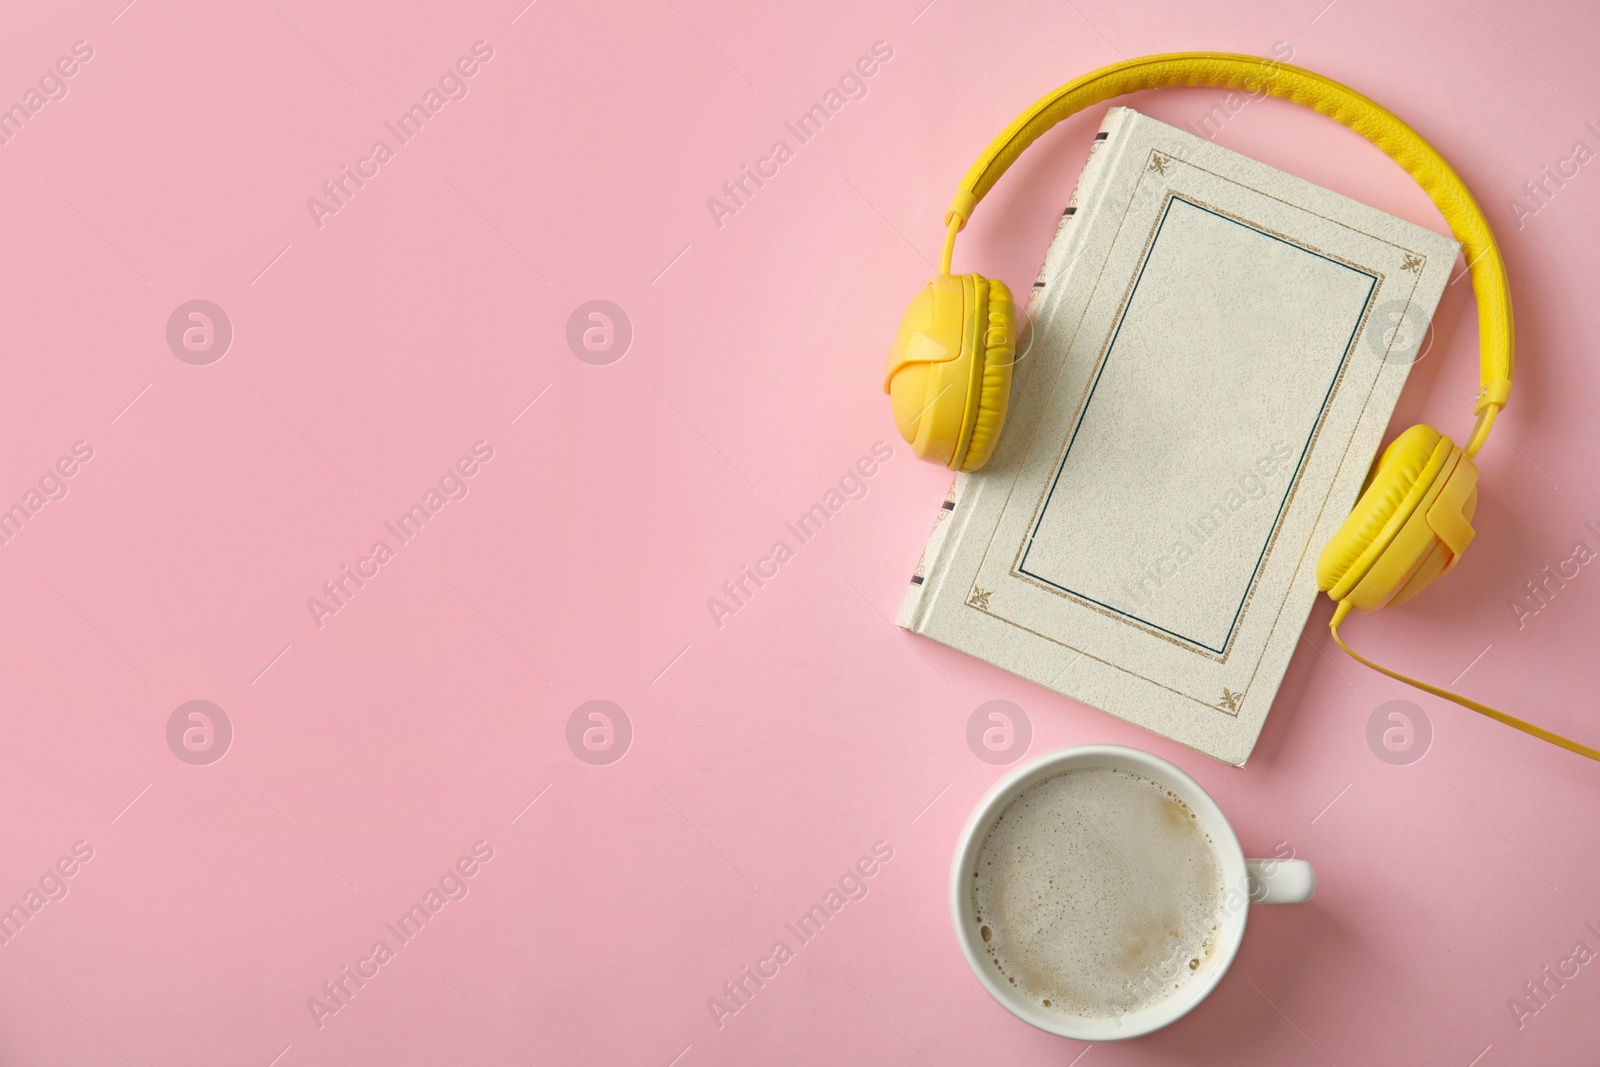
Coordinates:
<point>1276,881</point>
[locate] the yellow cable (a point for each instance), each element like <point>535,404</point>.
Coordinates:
<point>1482,709</point>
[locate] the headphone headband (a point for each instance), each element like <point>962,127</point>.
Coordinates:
<point>949,368</point>
<point>1326,96</point>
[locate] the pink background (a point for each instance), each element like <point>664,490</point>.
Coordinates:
<point>768,754</point>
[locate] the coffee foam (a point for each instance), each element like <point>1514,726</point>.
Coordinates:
<point>1097,893</point>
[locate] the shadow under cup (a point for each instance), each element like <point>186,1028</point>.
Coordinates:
<point>1230,914</point>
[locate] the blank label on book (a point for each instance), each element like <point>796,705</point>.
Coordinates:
<point>1181,463</point>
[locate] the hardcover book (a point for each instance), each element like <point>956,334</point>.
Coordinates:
<point>1212,351</point>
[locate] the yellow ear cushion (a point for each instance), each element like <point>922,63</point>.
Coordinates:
<point>1397,483</point>
<point>999,355</point>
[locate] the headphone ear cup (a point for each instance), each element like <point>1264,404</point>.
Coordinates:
<point>929,372</point>
<point>1456,509</point>
<point>1349,553</point>
<point>999,340</point>
<point>1413,521</point>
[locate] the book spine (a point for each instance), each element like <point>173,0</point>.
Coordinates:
<point>1064,250</point>
<point>919,597</point>
<point>931,570</point>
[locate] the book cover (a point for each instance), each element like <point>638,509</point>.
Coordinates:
<point>1213,350</point>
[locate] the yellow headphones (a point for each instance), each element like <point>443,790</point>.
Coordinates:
<point>949,368</point>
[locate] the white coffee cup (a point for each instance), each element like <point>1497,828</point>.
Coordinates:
<point>1270,881</point>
